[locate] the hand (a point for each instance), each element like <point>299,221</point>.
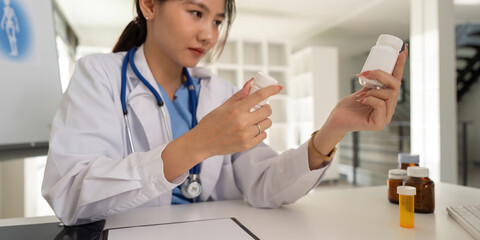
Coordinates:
<point>228,129</point>
<point>371,109</point>
<point>367,109</point>
<point>232,127</point>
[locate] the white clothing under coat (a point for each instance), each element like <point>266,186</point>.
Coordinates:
<point>91,174</point>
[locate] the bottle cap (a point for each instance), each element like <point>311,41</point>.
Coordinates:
<point>408,158</point>
<point>264,80</point>
<point>406,190</point>
<point>417,171</point>
<point>397,173</point>
<point>390,40</point>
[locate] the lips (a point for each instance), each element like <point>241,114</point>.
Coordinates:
<point>197,51</point>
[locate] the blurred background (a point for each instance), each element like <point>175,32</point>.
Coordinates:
<point>314,48</point>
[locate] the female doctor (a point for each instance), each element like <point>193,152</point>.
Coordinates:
<point>144,127</point>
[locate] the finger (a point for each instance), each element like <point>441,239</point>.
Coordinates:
<point>260,95</point>
<point>260,127</point>
<point>364,89</point>
<point>378,119</point>
<point>400,65</point>
<point>384,94</point>
<point>242,93</point>
<point>389,97</point>
<point>383,77</point>
<point>260,114</point>
<point>259,138</point>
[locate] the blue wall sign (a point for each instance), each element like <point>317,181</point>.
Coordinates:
<point>15,31</point>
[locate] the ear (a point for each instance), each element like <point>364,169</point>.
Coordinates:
<point>148,8</point>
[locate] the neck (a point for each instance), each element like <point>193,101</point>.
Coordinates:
<point>167,73</point>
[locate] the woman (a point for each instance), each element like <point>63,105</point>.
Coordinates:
<point>112,148</point>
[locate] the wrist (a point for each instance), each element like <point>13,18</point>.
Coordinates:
<point>181,155</point>
<point>195,146</point>
<point>327,138</point>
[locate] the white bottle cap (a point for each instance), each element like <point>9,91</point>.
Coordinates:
<point>390,40</point>
<point>408,158</point>
<point>406,190</point>
<point>264,80</point>
<point>417,171</point>
<point>397,173</point>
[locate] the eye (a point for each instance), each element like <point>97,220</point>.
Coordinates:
<point>217,22</point>
<point>197,14</point>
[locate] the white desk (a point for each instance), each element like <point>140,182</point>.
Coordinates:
<point>356,213</point>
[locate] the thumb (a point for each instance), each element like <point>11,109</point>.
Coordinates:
<point>242,93</point>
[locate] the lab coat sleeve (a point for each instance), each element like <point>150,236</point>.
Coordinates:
<point>87,176</point>
<point>269,180</point>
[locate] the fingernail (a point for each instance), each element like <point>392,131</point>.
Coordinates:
<point>280,87</point>
<point>251,81</point>
<point>361,95</point>
<point>363,73</point>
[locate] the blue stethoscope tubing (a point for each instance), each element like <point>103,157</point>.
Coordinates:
<point>192,96</point>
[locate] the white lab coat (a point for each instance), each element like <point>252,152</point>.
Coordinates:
<point>91,174</point>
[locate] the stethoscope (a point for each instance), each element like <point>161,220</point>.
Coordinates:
<point>191,187</point>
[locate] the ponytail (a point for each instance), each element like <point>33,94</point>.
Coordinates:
<point>134,34</point>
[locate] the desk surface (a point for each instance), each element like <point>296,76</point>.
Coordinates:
<point>354,213</point>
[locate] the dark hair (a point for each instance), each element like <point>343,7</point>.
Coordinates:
<point>135,33</point>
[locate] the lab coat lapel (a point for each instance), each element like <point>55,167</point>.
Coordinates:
<point>143,103</point>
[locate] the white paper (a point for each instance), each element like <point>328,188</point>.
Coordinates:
<point>224,228</point>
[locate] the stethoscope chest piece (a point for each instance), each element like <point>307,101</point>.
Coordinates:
<point>191,188</point>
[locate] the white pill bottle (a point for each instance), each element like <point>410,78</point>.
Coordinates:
<point>382,56</point>
<point>260,81</point>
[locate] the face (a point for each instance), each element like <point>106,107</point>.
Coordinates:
<point>182,31</point>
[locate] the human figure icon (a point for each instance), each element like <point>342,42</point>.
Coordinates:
<point>10,24</point>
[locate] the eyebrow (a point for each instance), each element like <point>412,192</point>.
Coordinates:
<point>203,6</point>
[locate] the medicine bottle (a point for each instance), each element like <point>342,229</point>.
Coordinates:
<point>418,178</point>
<point>262,80</point>
<point>395,179</point>
<point>382,56</point>
<point>406,206</point>
<point>408,160</point>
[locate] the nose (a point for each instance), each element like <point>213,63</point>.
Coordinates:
<point>207,34</point>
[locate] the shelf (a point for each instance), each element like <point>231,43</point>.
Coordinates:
<point>229,75</point>
<point>227,66</point>
<point>279,110</point>
<point>230,53</point>
<point>257,68</point>
<point>277,54</point>
<point>252,53</point>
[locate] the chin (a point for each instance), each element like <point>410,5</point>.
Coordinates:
<point>190,64</point>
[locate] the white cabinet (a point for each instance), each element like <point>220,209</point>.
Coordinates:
<point>242,59</point>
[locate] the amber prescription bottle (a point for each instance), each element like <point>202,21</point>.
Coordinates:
<point>408,160</point>
<point>418,178</point>
<point>395,179</point>
<point>406,197</point>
